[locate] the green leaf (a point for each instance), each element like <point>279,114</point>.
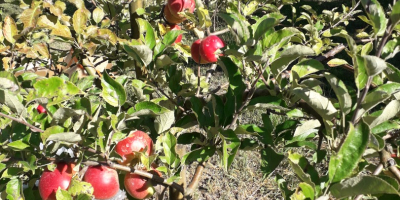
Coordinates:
<point>374,65</point>
<point>392,73</point>
<point>170,156</point>
<point>288,56</point>
<point>63,195</point>
<point>77,187</point>
<point>376,14</point>
<point>390,111</point>
<point>230,146</point>
<point>62,115</point>
<point>270,160</point>
<point>164,121</point>
<point>319,103</point>
<point>364,184</point>
<point>12,102</point>
<point>8,80</point>
<point>239,28</point>
<point>150,38</point>
<point>199,155</point>
<point>141,53</point>
<point>9,29</point>
<point>50,131</point>
<point>191,138</point>
<point>18,145</point>
<point>236,84</point>
<point>14,189</point>
<point>384,127</point>
<point>283,187</point>
<point>55,87</point>
<point>263,25</point>
<point>304,170</point>
<point>113,92</point>
<point>307,190</point>
<point>395,14</point>
<point>308,66</point>
<point>345,161</point>
<point>171,36</point>
<point>276,37</point>
<point>341,92</point>
<point>69,137</point>
<point>79,20</point>
<point>360,74</point>
<point>336,62</point>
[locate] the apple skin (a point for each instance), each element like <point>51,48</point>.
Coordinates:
<point>195,52</point>
<point>50,181</point>
<point>176,27</point>
<point>104,181</point>
<point>209,46</point>
<point>136,141</point>
<point>41,109</point>
<point>139,187</point>
<point>170,18</point>
<point>176,6</point>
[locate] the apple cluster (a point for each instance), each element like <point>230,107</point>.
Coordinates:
<point>103,179</point>
<point>172,14</point>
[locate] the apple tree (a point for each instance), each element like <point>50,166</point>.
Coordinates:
<point>102,92</point>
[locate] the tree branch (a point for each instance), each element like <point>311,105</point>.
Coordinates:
<point>34,128</point>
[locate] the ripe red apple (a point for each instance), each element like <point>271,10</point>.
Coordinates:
<point>176,6</point>
<point>195,51</point>
<point>104,181</point>
<point>50,181</point>
<point>136,141</point>
<point>139,187</point>
<point>170,18</point>
<point>176,27</point>
<point>209,47</point>
<point>41,109</point>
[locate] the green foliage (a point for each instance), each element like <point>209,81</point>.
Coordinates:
<point>287,58</point>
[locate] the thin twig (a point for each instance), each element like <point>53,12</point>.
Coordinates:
<point>220,32</point>
<point>210,72</point>
<point>196,179</point>
<point>198,81</point>
<point>34,128</point>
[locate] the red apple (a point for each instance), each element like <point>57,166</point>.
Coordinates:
<point>209,47</point>
<point>176,6</point>
<point>50,181</point>
<point>41,109</point>
<point>104,181</point>
<point>195,51</point>
<point>136,141</point>
<point>170,18</point>
<point>139,187</point>
<point>176,27</point>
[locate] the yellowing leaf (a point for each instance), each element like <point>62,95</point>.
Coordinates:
<point>1,32</point>
<point>60,5</point>
<point>98,15</point>
<point>107,34</point>
<point>61,30</point>
<point>42,49</point>
<point>44,22</point>
<point>9,29</point>
<point>79,21</point>
<point>29,17</point>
